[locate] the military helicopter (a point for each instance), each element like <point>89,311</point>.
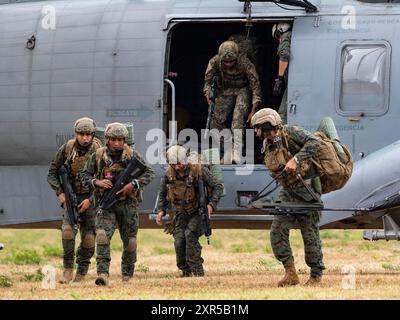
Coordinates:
<point>143,61</point>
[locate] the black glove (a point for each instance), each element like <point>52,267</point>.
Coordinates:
<point>279,86</point>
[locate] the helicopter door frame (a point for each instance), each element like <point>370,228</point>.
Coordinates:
<point>166,82</point>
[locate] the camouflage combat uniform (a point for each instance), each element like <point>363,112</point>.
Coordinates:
<point>75,158</point>
<point>181,191</point>
<point>237,89</point>
<point>284,55</point>
<point>123,214</point>
<point>303,145</point>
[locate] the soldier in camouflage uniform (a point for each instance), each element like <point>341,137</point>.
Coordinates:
<point>281,32</point>
<point>74,155</point>
<point>287,148</point>
<point>99,172</point>
<point>237,86</point>
<point>179,188</point>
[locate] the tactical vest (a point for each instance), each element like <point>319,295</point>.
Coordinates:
<point>235,78</point>
<point>76,162</point>
<point>333,170</point>
<point>182,192</point>
<point>277,156</point>
<point>107,169</point>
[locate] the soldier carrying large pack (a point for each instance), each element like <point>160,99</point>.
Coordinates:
<point>73,156</point>
<point>288,149</point>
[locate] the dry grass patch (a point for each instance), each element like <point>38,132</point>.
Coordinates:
<point>239,264</point>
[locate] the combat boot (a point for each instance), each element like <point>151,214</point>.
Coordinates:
<point>186,273</point>
<point>198,272</point>
<point>79,277</point>
<point>102,279</point>
<point>80,274</point>
<point>312,281</point>
<point>67,276</point>
<point>291,278</point>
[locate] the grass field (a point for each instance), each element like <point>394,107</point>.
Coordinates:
<point>239,264</point>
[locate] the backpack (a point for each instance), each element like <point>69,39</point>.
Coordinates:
<point>334,167</point>
<point>333,161</point>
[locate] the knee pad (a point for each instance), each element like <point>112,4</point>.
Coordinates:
<point>132,245</point>
<point>67,232</point>
<point>101,237</point>
<point>88,241</point>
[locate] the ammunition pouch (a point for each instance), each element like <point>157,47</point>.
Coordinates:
<point>276,159</point>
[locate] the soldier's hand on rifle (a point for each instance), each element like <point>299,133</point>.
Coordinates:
<point>61,199</point>
<point>105,184</point>
<point>126,190</point>
<point>210,210</point>
<point>84,205</point>
<point>291,166</point>
<point>159,217</point>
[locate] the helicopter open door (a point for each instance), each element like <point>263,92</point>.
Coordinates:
<point>190,45</point>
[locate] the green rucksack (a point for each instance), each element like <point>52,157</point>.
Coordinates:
<point>333,161</point>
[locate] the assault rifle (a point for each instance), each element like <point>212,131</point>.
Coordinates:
<point>205,219</point>
<point>292,208</point>
<point>71,201</point>
<point>284,208</point>
<point>133,170</point>
<point>211,107</point>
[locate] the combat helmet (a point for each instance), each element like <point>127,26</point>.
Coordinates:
<point>228,51</point>
<point>85,125</point>
<point>280,28</point>
<point>116,130</point>
<point>176,154</point>
<point>266,115</point>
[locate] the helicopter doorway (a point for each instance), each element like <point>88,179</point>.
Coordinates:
<point>190,46</point>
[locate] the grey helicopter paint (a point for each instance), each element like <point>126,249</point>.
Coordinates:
<point>108,60</point>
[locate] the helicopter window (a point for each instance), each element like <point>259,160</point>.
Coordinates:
<point>364,78</point>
